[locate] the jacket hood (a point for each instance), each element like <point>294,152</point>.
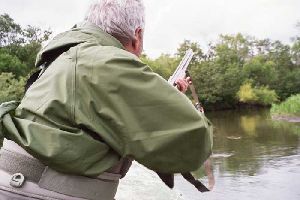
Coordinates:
<point>80,33</point>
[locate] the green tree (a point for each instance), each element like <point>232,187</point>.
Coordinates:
<point>10,87</point>
<point>20,44</point>
<point>260,70</point>
<point>10,63</point>
<point>232,49</point>
<point>261,47</point>
<point>285,69</point>
<point>186,45</point>
<point>164,65</point>
<point>296,47</point>
<point>10,32</point>
<point>296,52</point>
<point>219,77</point>
<point>208,82</point>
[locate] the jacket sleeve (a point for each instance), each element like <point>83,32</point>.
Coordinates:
<point>137,113</point>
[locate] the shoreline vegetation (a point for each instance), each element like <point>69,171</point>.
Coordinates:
<point>233,72</point>
<point>288,110</point>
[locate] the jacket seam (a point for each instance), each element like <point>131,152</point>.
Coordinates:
<point>73,106</point>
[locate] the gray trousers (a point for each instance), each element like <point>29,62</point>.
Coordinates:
<point>29,190</point>
<point>4,195</point>
<point>41,182</point>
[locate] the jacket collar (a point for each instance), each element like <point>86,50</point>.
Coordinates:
<point>97,33</point>
<point>80,33</point>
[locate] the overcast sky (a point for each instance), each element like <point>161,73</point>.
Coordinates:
<point>169,22</point>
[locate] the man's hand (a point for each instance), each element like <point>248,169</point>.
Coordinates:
<point>183,84</point>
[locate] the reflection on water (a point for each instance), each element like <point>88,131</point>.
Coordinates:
<point>254,158</point>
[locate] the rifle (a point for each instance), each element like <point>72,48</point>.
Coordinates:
<point>181,70</point>
<point>180,73</point>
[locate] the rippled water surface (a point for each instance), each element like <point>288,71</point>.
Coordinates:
<point>254,158</point>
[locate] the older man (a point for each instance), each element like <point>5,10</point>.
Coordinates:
<point>93,108</point>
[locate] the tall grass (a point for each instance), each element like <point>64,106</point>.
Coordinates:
<point>289,107</point>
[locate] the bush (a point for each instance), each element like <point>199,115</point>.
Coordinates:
<point>11,64</point>
<point>246,94</point>
<point>10,87</point>
<point>265,96</point>
<point>289,107</point>
<point>261,96</point>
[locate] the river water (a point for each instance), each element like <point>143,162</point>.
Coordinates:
<point>254,157</point>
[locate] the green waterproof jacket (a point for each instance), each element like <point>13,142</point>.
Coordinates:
<point>97,103</point>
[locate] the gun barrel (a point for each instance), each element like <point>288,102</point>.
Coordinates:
<point>182,67</point>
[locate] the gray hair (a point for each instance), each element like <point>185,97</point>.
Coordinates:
<point>119,18</point>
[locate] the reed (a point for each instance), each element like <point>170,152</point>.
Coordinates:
<point>289,107</point>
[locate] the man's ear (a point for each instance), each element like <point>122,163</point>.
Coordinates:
<point>139,33</point>
<point>137,44</point>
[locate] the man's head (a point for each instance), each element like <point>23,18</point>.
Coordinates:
<point>123,19</point>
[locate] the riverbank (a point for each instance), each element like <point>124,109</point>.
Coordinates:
<point>286,118</point>
<point>239,106</point>
<point>288,110</point>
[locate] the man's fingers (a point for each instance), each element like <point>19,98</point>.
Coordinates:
<point>189,80</point>
<point>178,86</point>
<point>182,85</point>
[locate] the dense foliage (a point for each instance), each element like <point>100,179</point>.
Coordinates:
<point>10,87</point>
<point>18,49</point>
<point>232,71</point>
<point>259,95</point>
<point>238,70</point>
